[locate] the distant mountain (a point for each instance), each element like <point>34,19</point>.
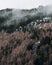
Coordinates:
<point>16,16</point>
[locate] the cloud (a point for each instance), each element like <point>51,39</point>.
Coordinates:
<point>23,4</point>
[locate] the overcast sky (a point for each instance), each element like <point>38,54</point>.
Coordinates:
<point>23,4</point>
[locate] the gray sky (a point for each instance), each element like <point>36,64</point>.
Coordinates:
<point>23,4</point>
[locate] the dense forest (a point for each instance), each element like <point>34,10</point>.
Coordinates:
<point>25,37</point>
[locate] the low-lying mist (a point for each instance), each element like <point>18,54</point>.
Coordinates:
<point>15,16</point>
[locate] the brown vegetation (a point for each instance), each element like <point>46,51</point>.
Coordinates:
<point>19,47</point>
